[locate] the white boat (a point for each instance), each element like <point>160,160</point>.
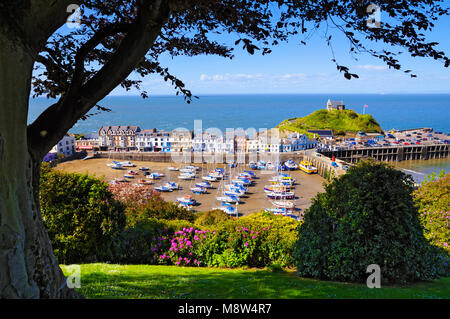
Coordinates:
<point>186,200</point>
<point>198,190</point>
<point>186,177</point>
<point>163,189</point>
<point>172,186</point>
<point>209,178</point>
<point>127,164</point>
<point>280,195</point>
<point>204,185</point>
<point>173,168</point>
<point>230,210</point>
<point>233,193</point>
<point>228,199</point>
<point>291,165</point>
<point>187,170</point>
<point>284,204</point>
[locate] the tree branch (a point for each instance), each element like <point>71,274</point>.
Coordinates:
<point>56,120</point>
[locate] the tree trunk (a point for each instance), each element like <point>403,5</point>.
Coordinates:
<point>28,267</point>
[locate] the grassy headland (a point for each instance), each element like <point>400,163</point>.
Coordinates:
<point>341,122</point>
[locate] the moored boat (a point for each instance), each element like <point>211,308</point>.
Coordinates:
<point>307,167</point>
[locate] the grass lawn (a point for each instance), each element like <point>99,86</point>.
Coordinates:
<point>143,281</point>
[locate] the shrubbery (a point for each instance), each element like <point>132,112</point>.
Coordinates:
<point>433,201</point>
<point>210,218</point>
<point>366,216</point>
<point>81,216</point>
<point>143,202</point>
<point>258,240</point>
<point>143,242</point>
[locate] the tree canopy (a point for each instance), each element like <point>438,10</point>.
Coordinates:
<point>116,38</point>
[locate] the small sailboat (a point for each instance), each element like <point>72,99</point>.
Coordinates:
<point>127,164</point>
<point>284,204</point>
<point>186,176</point>
<point>128,176</point>
<point>132,173</point>
<point>198,190</point>
<point>281,195</point>
<point>186,200</point>
<point>145,182</point>
<point>143,168</point>
<point>227,208</point>
<point>228,199</point>
<point>209,178</point>
<point>163,189</point>
<point>291,165</point>
<point>204,185</point>
<point>172,186</point>
<point>173,168</point>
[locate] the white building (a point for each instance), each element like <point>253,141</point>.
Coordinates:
<point>154,141</point>
<point>65,146</point>
<point>297,142</point>
<point>214,143</point>
<point>335,105</point>
<point>181,141</point>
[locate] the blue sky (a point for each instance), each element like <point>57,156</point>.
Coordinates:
<point>295,68</point>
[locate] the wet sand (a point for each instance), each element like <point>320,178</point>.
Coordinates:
<point>306,188</point>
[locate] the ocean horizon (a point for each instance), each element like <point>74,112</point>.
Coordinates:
<point>168,112</point>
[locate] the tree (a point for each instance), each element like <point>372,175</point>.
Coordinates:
<point>115,38</point>
<point>366,217</point>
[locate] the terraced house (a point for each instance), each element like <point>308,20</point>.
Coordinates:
<point>118,138</point>
<point>154,141</point>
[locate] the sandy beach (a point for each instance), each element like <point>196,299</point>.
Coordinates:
<point>306,188</point>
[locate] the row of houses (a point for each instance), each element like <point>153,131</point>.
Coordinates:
<point>132,138</point>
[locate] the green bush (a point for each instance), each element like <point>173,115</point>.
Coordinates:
<point>210,218</point>
<point>144,241</point>
<point>81,216</point>
<point>366,216</point>
<point>433,201</point>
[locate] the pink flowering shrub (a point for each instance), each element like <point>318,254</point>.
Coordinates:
<point>144,242</point>
<point>257,241</point>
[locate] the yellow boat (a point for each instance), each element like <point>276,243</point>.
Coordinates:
<point>307,167</point>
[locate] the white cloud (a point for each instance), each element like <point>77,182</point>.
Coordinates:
<point>231,77</point>
<point>372,67</point>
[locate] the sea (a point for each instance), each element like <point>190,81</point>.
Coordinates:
<point>264,111</point>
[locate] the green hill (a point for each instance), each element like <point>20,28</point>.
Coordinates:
<point>342,121</point>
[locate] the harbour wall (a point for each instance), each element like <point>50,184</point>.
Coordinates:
<point>392,153</point>
<point>191,157</point>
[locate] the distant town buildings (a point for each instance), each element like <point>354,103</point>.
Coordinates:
<point>153,141</point>
<point>118,138</point>
<point>87,142</point>
<point>132,138</point>
<point>335,105</point>
<point>65,146</point>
